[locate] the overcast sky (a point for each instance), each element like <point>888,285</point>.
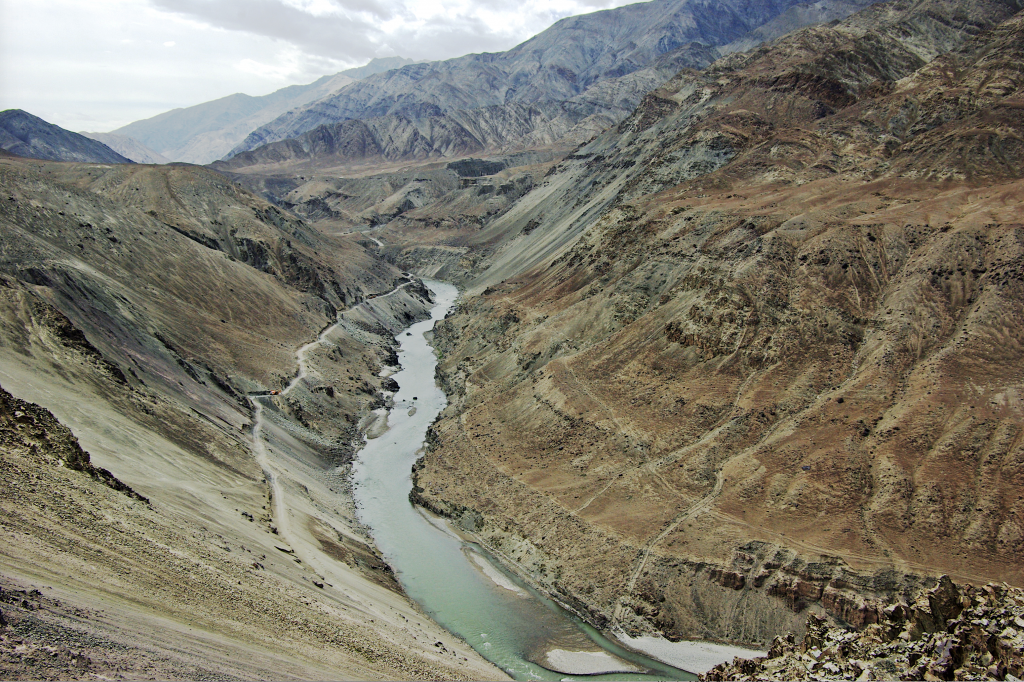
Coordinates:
<point>100,64</point>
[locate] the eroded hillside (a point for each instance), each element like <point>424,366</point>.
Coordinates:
<point>758,349</point>
<point>145,308</point>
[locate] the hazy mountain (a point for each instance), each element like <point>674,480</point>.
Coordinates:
<point>377,65</point>
<point>128,147</point>
<point>206,132</point>
<point>23,134</point>
<point>561,63</point>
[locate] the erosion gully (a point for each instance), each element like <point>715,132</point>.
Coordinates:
<point>454,580</point>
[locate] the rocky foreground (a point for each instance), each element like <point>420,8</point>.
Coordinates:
<point>950,632</point>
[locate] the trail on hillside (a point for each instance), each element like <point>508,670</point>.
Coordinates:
<point>279,511</point>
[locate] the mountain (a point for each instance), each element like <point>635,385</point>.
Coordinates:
<point>756,351</point>
<point>202,133</point>
<point>26,135</point>
<point>128,147</point>
<point>563,62</point>
<point>206,132</point>
<point>502,128</point>
<point>745,363</point>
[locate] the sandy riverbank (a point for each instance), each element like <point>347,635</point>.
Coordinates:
<point>586,663</point>
<point>694,657</point>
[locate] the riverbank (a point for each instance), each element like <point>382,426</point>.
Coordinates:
<point>504,619</point>
<point>694,657</point>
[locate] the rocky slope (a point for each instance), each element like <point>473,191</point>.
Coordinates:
<point>566,63</point>
<point>26,427</point>
<point>26,135</point>
<point>756,350</point>
<point>143,306</point>
<point>109,585</point>
<point>355,144</point>
<point>952,632</point>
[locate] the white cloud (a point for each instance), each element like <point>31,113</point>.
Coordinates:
<point>102,64</point>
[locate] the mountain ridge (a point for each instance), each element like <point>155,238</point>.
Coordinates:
<point>29,136</point>
<point>557,64</point>
<point>503,128</point>
<point>750,353</point>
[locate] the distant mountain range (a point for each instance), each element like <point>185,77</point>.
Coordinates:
<point>559,88</point>
<point>206,132</point>
<point>26,135</point>
<point>556,90</point>
<point>434,133</point>
<point>593,65</point>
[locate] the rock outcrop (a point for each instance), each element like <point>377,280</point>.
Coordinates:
<point>951,632</point>
<point>36,432</point>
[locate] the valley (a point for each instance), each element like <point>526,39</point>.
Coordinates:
<point>732,358</point>
<point>264,564</point>
<point>736,362</point>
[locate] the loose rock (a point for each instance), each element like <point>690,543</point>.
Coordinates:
<point>950,632</point>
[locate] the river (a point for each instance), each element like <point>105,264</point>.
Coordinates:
<point>456,582</point>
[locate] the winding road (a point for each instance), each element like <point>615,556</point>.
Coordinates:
<point>701,505</point>
<point>259,446</point>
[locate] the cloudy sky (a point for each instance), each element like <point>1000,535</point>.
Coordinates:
<point>100,64</point>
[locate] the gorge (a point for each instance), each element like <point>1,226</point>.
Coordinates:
<point>726,330</point>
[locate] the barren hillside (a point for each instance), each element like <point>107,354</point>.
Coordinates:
<point>143,307</point>
<point>759,349</point>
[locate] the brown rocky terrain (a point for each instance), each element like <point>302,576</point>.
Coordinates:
<point>949,633</point>
<point>753,353</point>
<point>142,307</point>
<point>756,351</point>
